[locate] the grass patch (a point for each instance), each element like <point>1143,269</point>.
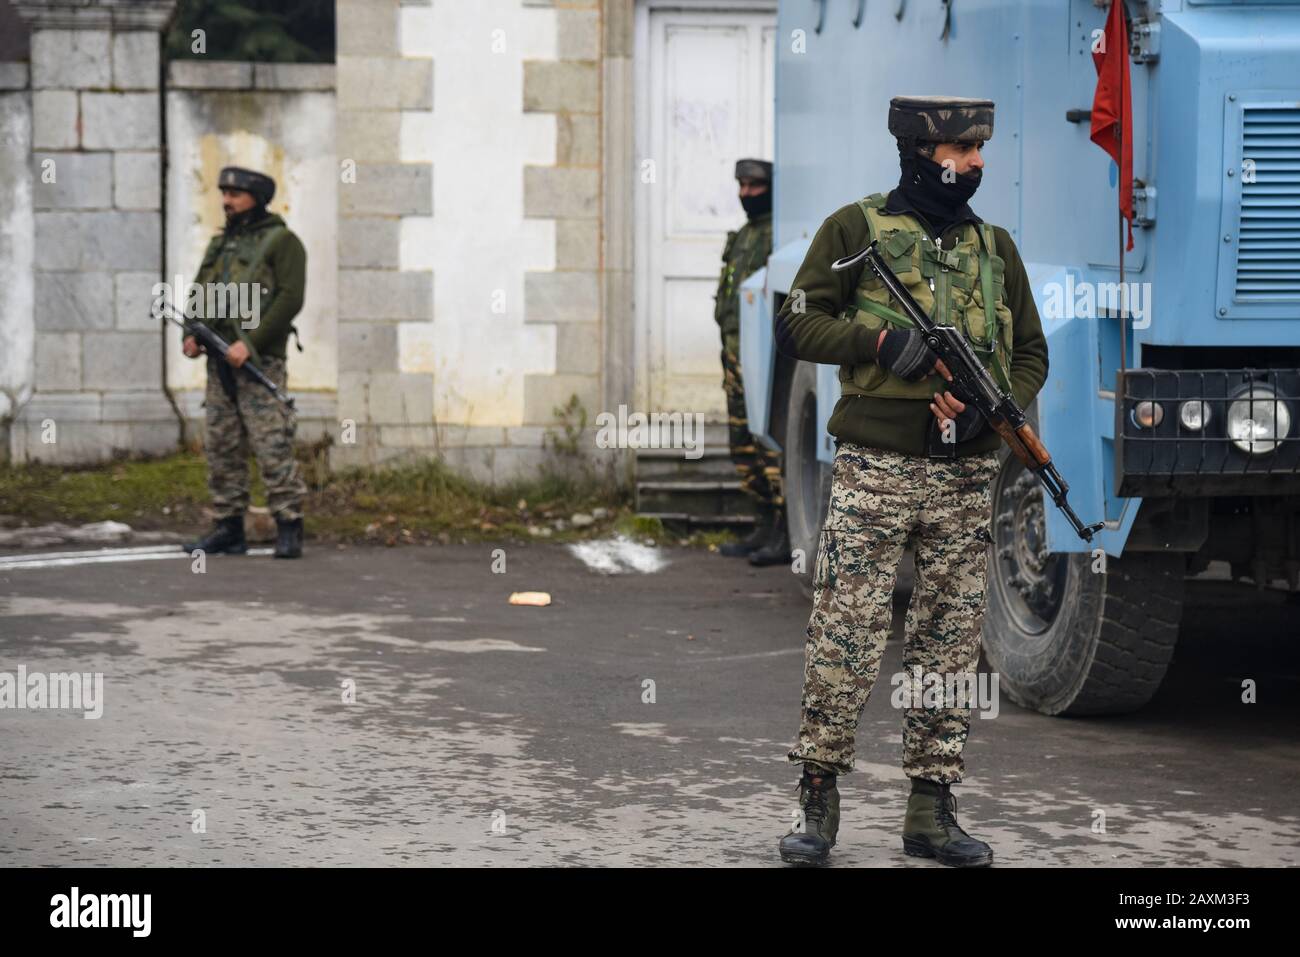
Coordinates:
<point>644,528</point>
<point>147,494</point>
<point>420,502</point>
<point>428,501</point>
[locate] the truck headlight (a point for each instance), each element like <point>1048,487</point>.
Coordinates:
<point>1147,414</point>
<point>1194,415</point>
<point>1257,420</point>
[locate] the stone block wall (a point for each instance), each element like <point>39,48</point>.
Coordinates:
<point>96,208</point>
<point>475,203</point>
<point>472,300</point>
<point>17,335</point>
<point>385,412</point>
<point>567,191</point>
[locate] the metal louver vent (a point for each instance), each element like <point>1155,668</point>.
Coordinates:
<point>1268,254</point>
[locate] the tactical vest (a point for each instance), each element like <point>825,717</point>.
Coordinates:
<point>962,287</point>
<point>242,259</point>
<point>746,251</point>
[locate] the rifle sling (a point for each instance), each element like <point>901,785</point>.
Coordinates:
<point>884,312</point>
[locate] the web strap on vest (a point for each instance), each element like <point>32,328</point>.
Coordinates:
<point>990,307</point>
<point>986,284</point>
<point>877,200</point>
<point>884,312</point>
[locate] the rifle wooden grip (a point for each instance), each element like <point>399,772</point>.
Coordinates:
<point>1024,443</point>
<point>1034,444</point>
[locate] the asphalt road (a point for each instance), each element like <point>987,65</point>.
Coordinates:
<point>489,734</point>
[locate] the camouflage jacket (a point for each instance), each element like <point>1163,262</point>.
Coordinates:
<point>265,252</point>
<point>747,250</point>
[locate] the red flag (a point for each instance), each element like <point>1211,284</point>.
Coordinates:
<point>1112,107</point>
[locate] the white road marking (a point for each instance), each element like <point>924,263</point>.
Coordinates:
<point>134,550</point>
<point>104,555</point>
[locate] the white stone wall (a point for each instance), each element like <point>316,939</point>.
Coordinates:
<point>478,310</point>
<point>478,242</point>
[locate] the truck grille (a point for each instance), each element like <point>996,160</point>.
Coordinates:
<point>1268,255</point>
<point>1170,458</point>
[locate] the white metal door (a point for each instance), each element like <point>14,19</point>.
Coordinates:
<point>704,99</point>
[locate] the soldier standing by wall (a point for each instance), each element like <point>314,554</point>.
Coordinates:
<point>913,463</point>
<point>746,250</point>
<point>257,255</point>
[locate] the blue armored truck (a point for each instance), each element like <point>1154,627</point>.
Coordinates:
<point>1184,438</point>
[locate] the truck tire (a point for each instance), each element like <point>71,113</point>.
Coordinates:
<point>807,484</point>
<point>1064,639</point>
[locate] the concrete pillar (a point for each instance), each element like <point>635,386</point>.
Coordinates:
<point>568,191</point>
<point>96,174</point>
<point>384,412</point>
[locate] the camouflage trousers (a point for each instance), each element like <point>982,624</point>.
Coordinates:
<point>881,501</point>
<point>759,467</point>
<point>261,425</point>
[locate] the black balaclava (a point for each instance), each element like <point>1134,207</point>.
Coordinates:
<point>923,187</point>
<point>247,217</point>
<point>759,205</point>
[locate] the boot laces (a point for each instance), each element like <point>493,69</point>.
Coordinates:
<point>813,799</point>
<point>944,812</point>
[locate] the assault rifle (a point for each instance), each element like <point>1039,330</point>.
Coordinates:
<point>971,379</point>
<point>214,345</point>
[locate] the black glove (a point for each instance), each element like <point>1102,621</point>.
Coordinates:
<point>969,423</point>
<point>904,353</point>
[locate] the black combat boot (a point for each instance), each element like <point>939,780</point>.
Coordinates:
<point>819,800</point>
<point>288,539</point>
<point>226,537</point>
<point>757,538</point>
<point>930,828</point>
<point>776,550</point>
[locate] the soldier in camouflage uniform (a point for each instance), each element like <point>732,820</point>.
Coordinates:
<point>914,465</point>
<point>255,255</point>
<point>747,250</point>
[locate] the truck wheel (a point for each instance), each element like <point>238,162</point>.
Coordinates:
<point>807,484</point>
<point>1063,638</point>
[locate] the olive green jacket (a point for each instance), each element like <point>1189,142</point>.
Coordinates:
<point>746,251</point>
<point>819,334</point>
<point>268,253</point>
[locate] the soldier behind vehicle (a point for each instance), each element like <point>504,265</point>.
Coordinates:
<point>747,250</point>
<point>257,255</point>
